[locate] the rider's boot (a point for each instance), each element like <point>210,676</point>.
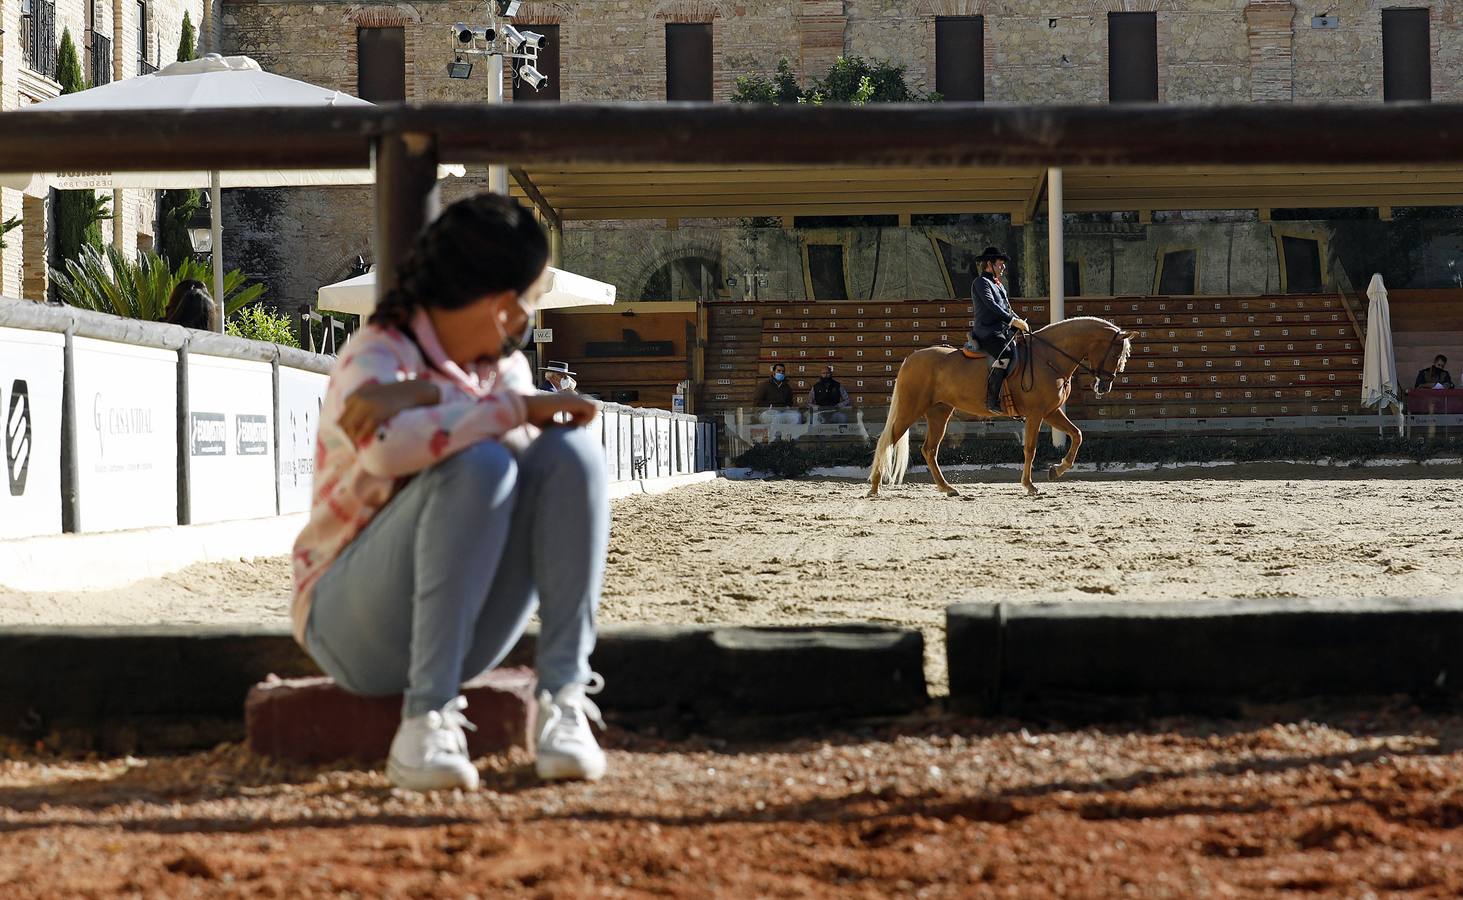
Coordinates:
<point>997,377</point>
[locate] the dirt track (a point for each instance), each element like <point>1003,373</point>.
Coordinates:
<point>1354,805</point>
<point>810,551</point>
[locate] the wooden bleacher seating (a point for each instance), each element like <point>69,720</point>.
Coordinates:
<point>1195,357</point>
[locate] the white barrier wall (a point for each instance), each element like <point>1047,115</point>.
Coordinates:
<point>32,364</point>
<point>126,435</point>
<point>230,446</point>
<point>301,395</point>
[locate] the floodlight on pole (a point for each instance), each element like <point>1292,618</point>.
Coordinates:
<point>509,8</point>
<point>532,76</point>
<point>459,69</point>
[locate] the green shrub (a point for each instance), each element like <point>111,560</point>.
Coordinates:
<point>107,281</point>
<point>7,226</point>
<point>262,323</point>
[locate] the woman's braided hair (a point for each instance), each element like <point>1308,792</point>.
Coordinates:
<point>482,245</point>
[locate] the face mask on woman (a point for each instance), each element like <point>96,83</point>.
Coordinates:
<point>778,376</point>
<point>513,343</point>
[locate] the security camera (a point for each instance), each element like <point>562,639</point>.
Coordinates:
<point>534,42</point>
<point>531,76</point>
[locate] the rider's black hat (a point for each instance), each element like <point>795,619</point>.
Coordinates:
<point>992,253</point>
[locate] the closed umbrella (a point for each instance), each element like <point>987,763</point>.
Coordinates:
<point>1379,374</point>
<point>212,82</point>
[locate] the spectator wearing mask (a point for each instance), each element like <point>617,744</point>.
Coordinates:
<point>774,398</point>
<point>558,379</point>
<point>1435,376</point>
<point>827,398</point>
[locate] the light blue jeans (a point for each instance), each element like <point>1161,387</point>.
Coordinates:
<point>442,582</point>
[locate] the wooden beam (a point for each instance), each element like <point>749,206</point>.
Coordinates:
<point>531,191</point>
<point>1034,199</point>
<point>672,223</point>
<point>787,222</point>
<point>1264,214</point>
<point>904,220</point>
<point>1384,213</point>
<point>1145,217</point>
<point>917,134</point>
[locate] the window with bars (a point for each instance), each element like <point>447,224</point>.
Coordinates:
<point>38,36</point>
<point>101,60</point>
<point>143,66</point>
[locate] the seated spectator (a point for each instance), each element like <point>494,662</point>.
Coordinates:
<point>774,398</point>
<point>190,306</point>
<point>1435,376</point>
<point>828,399</point>
<point>558,379</point>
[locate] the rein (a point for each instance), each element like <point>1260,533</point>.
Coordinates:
<point>1079,363</point>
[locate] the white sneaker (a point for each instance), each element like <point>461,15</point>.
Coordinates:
<point>566,746</point>
<point>429,752</point>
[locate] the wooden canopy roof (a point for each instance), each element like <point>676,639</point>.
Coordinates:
<point>596,192</point>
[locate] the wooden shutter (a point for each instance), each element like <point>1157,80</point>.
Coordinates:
<point>688,61</point>
<point>1132,57</point>
<point>960,57</point>
<point>381,64</point>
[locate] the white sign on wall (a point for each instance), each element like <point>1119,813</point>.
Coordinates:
<point>301,395</point>
<point>612,443</point>
<point>663,461</point>
<point>230,449</point>
<point>126,435</point>
<point>31,364</point>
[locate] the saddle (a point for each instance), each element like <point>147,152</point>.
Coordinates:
<point>1008,403</point>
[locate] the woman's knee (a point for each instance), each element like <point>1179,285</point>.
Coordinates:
<point>571,453</point>
<point>486,468</point>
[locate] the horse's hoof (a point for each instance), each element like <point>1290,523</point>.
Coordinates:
<point>950,492</point>
<point>1051,473</point>
<point>1031,490</point>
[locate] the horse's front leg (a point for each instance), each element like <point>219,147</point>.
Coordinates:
<point>1029,439</point>
<point>1058,420</point>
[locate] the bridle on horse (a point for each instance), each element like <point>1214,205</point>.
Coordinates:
<point>1098,375</point>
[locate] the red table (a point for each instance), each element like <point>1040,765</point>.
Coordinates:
<point>1429,401</point>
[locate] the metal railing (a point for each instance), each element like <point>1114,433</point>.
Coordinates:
<point>145,68</point>
<point>38,46</point>
<point>101,60</point>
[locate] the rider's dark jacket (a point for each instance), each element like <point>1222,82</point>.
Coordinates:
<point>993,314</point>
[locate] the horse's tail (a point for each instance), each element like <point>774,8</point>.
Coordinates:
<point>891,458</point>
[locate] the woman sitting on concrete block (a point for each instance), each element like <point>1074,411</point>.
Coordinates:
<point>447,504</point>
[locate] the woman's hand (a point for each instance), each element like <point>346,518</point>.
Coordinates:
<point>544,410</point>
<point>374,405</point>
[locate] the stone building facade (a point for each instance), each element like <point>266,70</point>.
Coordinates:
<point>1208,51</point>
<point>116,39</point>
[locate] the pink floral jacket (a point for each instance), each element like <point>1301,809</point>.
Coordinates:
<point>353,481</point>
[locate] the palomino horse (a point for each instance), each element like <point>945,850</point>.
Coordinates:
<point>936,381</point>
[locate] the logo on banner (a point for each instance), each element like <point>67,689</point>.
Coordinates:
<point>252,435</point>
<point>210,434</point>
<point>17,437</point>
<point>118,420</point>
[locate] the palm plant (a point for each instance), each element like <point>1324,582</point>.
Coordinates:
<point>106,281</point>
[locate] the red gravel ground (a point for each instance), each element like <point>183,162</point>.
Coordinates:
<point>1347,804</point>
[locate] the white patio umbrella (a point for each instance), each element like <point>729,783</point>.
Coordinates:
<point>213,82</point>
<point>358,295</point>
<point>1379,372</point>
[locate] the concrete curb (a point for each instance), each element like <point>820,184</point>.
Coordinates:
<point>1123,660</point>
<point>170,688</point>
<point>621,489</point>
<point>118,558</point>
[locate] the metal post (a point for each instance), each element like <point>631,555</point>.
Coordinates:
<point>406,199</point>
<point>497,175</point>
<point>1056,253</point>
<point>215,197</point>
<point>556,249</point>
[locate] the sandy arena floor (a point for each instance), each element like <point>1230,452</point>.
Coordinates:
<point>1348,805</point>
<point>816,551</point>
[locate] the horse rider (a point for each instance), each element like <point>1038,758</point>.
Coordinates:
<point>996,324</point>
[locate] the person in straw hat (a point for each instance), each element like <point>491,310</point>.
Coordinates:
<point>557,378</point>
